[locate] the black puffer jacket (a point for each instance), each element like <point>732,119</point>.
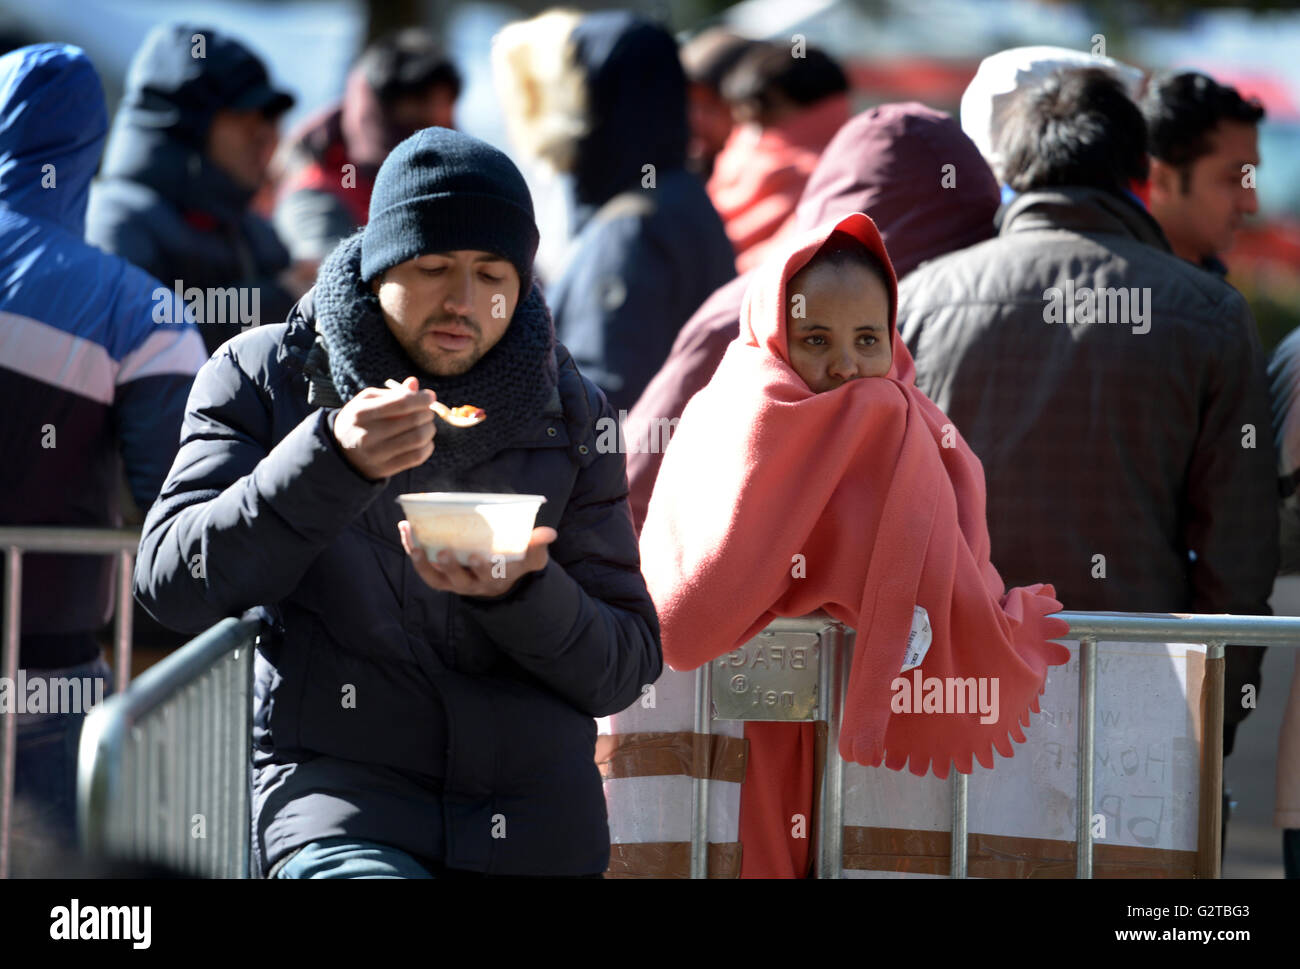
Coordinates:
<point>459,730</point>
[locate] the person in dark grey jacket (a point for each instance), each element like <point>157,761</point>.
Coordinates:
<point>1115,394</point>
<point>413,717</point>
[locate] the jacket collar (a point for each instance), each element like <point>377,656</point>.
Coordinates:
<point>1088,211</point>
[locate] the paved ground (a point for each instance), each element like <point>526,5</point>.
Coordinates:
<point>1254,845</point>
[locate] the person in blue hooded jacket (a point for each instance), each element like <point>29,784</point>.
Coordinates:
<point>648,246</point>
<point>191,145</point>
<point>86,372</point>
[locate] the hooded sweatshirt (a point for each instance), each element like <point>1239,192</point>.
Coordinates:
<point>887,511</point>
<point>649,247</point>
<point>889,162</point>
<point>162,203</point>
<point>89,363</point>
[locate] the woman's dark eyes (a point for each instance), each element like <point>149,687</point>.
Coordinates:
<point>866,336</point>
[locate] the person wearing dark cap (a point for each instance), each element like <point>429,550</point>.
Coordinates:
<point>413,717</point>
<point>190,147</point>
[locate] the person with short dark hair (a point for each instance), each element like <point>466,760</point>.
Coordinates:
<point>1115,393</point>
<point>787,105</point>
<point>1204,144</point>
<point>1085,132</point>
<point>190,147</point>
<point>400,84</point>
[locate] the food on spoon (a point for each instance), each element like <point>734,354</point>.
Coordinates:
<point>466,415</point>
<point>469,411</point>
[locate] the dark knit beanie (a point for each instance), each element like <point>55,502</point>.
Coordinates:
<point>441,190</point>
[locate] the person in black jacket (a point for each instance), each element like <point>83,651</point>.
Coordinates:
<point>191,144</point>
<point>413,717</point>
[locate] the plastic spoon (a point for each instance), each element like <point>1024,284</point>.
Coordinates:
<point>466,415</point>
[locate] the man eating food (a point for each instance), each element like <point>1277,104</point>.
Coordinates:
<point>412,718</point>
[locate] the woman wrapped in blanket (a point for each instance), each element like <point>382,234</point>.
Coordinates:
<point>811,474</point>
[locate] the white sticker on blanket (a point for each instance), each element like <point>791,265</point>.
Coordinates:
<point>918,640</point>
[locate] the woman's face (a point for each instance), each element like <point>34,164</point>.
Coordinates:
<point>837,325</point>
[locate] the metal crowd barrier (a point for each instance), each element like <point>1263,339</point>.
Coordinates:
<point>122,543</point>
<point>833,643</point>
<point>163,770</point>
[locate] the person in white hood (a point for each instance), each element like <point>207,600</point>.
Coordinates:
<point>989,95</point>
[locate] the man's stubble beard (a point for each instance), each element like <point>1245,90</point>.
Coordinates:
<point>439,365</point>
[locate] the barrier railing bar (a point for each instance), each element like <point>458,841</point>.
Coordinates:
<point>70,540</point>
<point>13,597</point>
<point>700,785</point>
<point>1162,627</point>
<point>1087,738</point>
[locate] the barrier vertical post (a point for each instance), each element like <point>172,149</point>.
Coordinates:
<point>123,620</point>
<point>830,706</point>
<point>700,782</point>
<point>959,848</point>
<point>1087,737</point>
<point>13,600</point>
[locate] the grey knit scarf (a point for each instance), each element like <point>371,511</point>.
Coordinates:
<point>354,349</point>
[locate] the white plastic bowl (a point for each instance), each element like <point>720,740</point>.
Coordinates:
<point>470,523</point>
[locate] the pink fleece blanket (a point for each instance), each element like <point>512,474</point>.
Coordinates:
<point>864,501</point>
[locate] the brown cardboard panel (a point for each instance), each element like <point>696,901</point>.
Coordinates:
<point>996,856</point>
<point>670,859</point>
<point>665,754</point>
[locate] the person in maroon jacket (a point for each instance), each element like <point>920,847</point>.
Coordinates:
<point>911,169</point>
